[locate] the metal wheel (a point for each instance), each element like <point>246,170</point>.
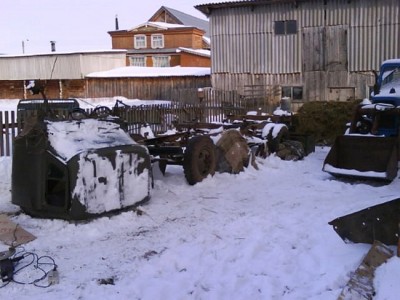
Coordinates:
<point>101,112</point>
<point>199,159</point>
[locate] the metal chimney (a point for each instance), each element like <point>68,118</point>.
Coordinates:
<point>116,22</point>
<point>53,46</point>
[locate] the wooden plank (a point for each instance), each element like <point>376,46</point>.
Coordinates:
<point>361,284</point>
<point>7,134</point>
<point>14,126</point>
<point>13,234</point>
<point>1,135</point>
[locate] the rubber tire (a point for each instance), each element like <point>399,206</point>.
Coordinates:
<point>199,159</point>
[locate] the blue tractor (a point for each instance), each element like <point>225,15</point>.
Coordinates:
<point>370,146</point>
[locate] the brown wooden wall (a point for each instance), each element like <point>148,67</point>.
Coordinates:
<point>153,88</point>
<point>187,37</point>
<point>189,60</point>
<point>14,89</point>
<point>157,88</point>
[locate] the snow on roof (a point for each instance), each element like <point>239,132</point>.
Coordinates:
<point>105,51</point>
<point>161,25</point>
<point>207,40</point>
<point>201,52</point>
<point>152,72</point>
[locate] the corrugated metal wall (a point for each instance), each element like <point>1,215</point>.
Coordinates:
<point>243,41</point>
<point>58,66</point>
<point>338,44</point>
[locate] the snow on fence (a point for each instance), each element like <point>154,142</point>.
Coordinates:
<point>159,117</point>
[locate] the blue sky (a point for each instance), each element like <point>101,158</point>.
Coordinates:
<point>74,24</point>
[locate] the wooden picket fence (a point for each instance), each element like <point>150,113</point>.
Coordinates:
<point>188,105</point>
<point>159,117</point>
<point>9,130</point>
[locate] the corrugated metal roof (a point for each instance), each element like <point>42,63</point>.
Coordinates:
<point>57,65</point>
<point>207,8</point>
<point>88,52</point>
<point>186,19</point>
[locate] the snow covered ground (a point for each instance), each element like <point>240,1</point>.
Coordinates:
<point>261,234</point>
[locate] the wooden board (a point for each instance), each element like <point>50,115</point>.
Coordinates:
<point>361,284</point>
<point>12,234</point>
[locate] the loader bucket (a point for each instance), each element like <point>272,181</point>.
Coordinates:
<point>363,156</point>
<point>379,222</point>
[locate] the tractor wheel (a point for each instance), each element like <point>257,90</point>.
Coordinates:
<point>101,112</point>
<point>199,159</point>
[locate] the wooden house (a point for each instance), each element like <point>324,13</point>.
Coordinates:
<point>304,49</point>
<point>169,38</point>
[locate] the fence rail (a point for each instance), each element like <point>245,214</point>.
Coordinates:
<point>159,117</point>
<point>188,105</point>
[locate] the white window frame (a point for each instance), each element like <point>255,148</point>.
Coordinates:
<point>161,61</point>
<point>140,41</point>
<point>137,61</point>
<point>157,41</point>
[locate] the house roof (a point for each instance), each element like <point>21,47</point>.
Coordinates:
<point>152,51</point>
<point>184,19</point>
<point>199,52</point>
<point>65,53</point>
<point>160,25</point>
<point>207,8</point>
<point>151,72</point>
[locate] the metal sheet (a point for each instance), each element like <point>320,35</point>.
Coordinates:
<point>379,222</point>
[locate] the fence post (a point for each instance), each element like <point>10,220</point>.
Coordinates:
<point>1,135</point>
<point>7,134</point>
